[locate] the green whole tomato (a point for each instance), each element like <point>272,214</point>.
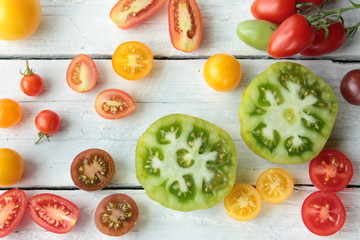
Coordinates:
<point>256,33</point>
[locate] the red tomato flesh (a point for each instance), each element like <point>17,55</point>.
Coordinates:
<point>323,213</point>
<point>53,213</point>
<point>275,11</point>
<point>13,205</point>
<point>185,24</point>
<point>129,13</point>
<point>331,170</point>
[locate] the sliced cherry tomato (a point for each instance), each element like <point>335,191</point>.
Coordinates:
<point>116,215</point>
<point>10,113</point>
<point>185,24</point>
<point>275,185</point>
<point>13,205</point>
<point>82,74</point>
<point>350,87</point>
<point>322,45</point>
<point>92,169</point>
<point>275,11</point>
<point>31,84</point>
<point>48,123</point>
<point>53,213</point>
<point>11,167</point>
<point>243,202</point>
<point>127,14</point>
<point>114,104</point>
<point>291,37</point>
<point>323,213</point>
<point>331,170</point>
<point>132,60</point>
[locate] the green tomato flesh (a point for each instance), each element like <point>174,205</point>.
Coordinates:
<point>256,33</point>
<point>287,113</point>
<point>186,163</point>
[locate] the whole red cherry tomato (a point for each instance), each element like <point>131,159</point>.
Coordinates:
<point>275,11</point>
<point>291,37</point>
<point>31,84</point>
<point>350,87</point>
<point>47,122</point>
<point>322,45</point>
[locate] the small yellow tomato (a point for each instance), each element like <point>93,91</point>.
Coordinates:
<point>19,18</point>
<point>11,167</point>
<point>10,113</point>
<point>222,72</point>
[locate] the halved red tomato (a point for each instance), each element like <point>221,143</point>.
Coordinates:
<point>53,213</point>
<point>114,104</point>
<point>116,215</point>
<point>331,170</point>
<point>82,74</point>
<point>13,205</point>
<point>126,14</point>
<point>323,213</point>
<point>185,24</point>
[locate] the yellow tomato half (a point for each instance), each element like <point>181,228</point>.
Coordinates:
<point>10,113</point>
<point>11,167</point>
<point>222,72</point>
<point>19,18</point>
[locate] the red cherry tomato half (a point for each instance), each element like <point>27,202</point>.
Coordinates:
<point>31,84</point>
<point>53,213</point>
<point>127,14</point>
<point>13,204</point>
<point>82,75</point>
<point>114,104</point>
<point>185,24</point>
<point>291,37</point>
<point>331,170</point>
<point>323,213</point>
<point>275,11</point>
<point>48,123</point>
<point>350,87</point>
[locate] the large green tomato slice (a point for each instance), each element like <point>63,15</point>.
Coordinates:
<point>186,163</point>
<point>287,113</point>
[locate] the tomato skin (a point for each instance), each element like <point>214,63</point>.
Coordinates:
<point>10,113</point>
<point>321,46</point>
<point>125,18</point>
<point>64,212</point>
<point>318,209</point>
<point>350,87</point>
<point>291,37</point>
<point>48,122</point>
<point>11,167</point>
<point>20,18</point>
<point>16,197</point>
<point>275,11</point>
<point>186,40</point>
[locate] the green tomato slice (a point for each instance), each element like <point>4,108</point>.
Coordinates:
<point>186,163</point>
<point>287,113</point>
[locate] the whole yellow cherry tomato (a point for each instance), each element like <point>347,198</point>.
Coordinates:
<point>10,113</point>
<point>11,167</point>
<point>222,72</point>
<point>19,18</point>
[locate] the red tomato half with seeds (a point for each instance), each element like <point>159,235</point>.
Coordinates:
<point>13,204</point>
<point>114,104</point>
<point>127,14</point>
<point>185,24</point>
<point>331,170</point>
<point>275,11</point>
<point>323,213</point>
<point>53,213</point>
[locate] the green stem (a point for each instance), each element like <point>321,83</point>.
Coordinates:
<point>41,135</point>
<point>351,31</point>
<point>28,70</point>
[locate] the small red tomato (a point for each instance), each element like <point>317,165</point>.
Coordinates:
<point>31,84</point>
<point>291,37</point>
<point>350,87</point>
<point>275,11</point>
<point>48,123</point>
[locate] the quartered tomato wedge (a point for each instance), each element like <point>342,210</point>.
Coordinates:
<point>13,204</point>
<point>114,104</point>
<point>132,60</point>
<point>331,170</point>
<point>128,13</point>
<point>287,113</point>
<point>185,24</point>
<point>82,74</point>
<point>323,213</point>
<point>53,213</point>
<point>243,202</point>
<point>186,163</point>
<point>116,215</point>
<point>92,169</point>
<point>275,185</point>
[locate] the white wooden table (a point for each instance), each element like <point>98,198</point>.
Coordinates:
<point>71,27</point>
